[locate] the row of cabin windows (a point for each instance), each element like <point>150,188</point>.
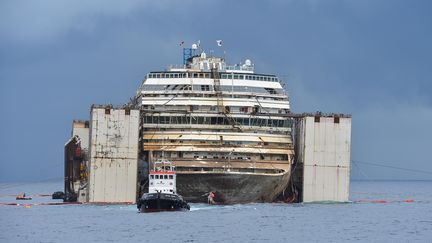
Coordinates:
<point>215,121</point>
<point>162,177</point>
<point>184,87</point>
<point>242,109</point>
<point>208,75</point>
<point>234,156</point>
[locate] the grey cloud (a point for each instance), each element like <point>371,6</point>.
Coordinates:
<point>368,58</point>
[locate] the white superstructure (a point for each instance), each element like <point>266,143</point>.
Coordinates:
<point>209,117</point>
<point>162,179</point>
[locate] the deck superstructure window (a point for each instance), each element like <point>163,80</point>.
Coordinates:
<point>197,120</point>
<point>171,176</point>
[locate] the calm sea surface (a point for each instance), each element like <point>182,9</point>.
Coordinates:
<point>365,221</point>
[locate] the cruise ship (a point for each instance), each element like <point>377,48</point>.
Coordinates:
<point>224,127</point>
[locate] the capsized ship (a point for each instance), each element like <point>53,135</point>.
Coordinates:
<point>225,128</point>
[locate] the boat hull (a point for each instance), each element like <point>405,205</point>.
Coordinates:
<point>231,188</point>
<point>23,198</point>
<point>158,202</point>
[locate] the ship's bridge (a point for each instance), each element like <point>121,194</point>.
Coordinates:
<point>205,63</point>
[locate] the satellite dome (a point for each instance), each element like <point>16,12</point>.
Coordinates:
<point>203,55</point>
<point>194,46</point>
<point>248,62</point>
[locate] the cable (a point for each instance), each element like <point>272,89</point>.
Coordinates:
<point>361,171</point>
<point>393,167</point>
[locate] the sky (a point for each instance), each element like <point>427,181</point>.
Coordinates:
<point>368,58</point>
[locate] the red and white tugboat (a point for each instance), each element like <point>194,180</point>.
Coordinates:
<point>162,195</point>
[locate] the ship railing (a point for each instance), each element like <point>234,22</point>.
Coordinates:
<point>226,94</point>
<point>163,166</point>
<point>176,66</point>
<point>239,68</point>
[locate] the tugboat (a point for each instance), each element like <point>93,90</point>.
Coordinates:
<point>162,195</point>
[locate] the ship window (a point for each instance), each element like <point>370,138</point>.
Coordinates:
<point>165,176</point>
<point>241,76</point>
<point>152,176</point>
<point>171,177</point>
<point>157,176</point>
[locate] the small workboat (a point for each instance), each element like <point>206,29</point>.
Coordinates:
<point>162,195</point>
<point>23,197</point>
<point>58,195</point>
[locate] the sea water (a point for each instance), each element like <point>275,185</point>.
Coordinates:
<point>386,211</point>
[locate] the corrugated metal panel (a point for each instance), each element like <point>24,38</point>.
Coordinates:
<point>325,151</point>
<point>83,133</point>
<point>113,155</point>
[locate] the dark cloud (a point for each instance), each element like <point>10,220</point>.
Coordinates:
<point>368,58</point>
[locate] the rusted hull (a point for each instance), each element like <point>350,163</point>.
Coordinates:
<point>231,188</point>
